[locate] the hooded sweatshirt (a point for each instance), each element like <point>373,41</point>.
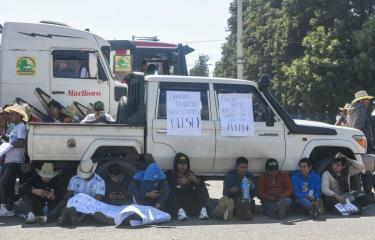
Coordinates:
<point>303,185</point>
<point>172,176</point>
<point>151,179</point>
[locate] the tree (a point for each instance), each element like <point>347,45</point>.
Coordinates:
<point>201,66</point>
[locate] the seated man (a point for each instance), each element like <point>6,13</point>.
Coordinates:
<point>188,193</point>
<point>336,183</point>
<point>99,116</point>
<point>41,190</point>
<point>86,181</point>
<point>306,188</point>
<point>55,114</point>
<point>275,190</point>
<point>150,187</point>
<point>117,186</point>
<point>234,191</point>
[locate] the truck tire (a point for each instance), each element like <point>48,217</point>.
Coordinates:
<point>321,165</point>
<point>129,169</point>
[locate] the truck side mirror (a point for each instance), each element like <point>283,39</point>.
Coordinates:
<point>270,120</point>
<point>93,65</point>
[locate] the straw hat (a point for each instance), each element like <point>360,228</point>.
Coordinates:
<point>18,109</point>
<point>346,107</point>
<point>361,95</point>
<point>69,111</point>
<point>47,171</point>
<point>86,169</point>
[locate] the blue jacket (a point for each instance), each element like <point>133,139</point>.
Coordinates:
<point>151,179</point>
<point>302,185</point>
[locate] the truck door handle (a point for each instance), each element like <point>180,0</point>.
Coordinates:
<point>268,134</point>
<point>161,131</point>
<point>58,92</point>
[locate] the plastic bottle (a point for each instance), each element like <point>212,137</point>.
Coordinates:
<point>45,209</point>
<point>245,185</point>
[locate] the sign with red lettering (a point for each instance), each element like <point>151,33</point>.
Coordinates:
<point>184,113</point>
<point>84,93</point>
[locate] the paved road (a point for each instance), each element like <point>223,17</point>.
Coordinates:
<point>294,227</point>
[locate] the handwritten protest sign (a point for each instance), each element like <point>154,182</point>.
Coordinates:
<point>184,113</point>
<point>347,208</point>
<point>86,204</point>
<point>236,114</point>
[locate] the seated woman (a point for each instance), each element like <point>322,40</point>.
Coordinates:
<point>336,183</point>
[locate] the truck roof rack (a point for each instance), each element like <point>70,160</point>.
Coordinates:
<point>153,39</point>
<point>54,23</point>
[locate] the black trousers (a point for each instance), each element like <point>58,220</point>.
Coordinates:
<point>8,182</point>
<point>192,200</point>
<point>330,202</point>
<point>35,204</point>
<point>368,183</point>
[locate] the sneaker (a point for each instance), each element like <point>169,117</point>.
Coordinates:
<point>203,214</point>
<point>314,212</point>
<point>321,209</point>
<point>41,220</point>
<point>7,213</point>
<point>2,208</point>
<point>181,215</point>
<point>102,218</point>
<point>282,210</point>
<point>30,218</point>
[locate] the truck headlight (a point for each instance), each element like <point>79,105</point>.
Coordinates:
<point>361,140</point>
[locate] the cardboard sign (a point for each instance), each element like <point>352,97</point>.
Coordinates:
<point>236,114</point>
<point>184,113</point>
<point>26,66</point>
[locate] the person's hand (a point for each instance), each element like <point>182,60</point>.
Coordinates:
<point>116,195</point>
<point>157,205</point>
<point>183,181</point>
<point>192,178</point>
<point>39,192</point>
<point>234,189</point>
<point>310,198</point>
<point>153,194</point>
<point>340,198</point>
<point>50,196</point>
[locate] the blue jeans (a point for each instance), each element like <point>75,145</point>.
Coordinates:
<point>305,203</point>
<point>271,207</point>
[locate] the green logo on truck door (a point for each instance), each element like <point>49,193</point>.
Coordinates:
<point>26,66</point>
<point>123,63</point>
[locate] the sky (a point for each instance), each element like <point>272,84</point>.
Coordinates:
<point>195,22</point>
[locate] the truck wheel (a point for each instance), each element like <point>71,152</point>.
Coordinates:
<point>129,170</point>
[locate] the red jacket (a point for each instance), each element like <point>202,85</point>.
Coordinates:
<point>280,186</point>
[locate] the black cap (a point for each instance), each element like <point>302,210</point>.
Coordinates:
<point>181,158</point>
<point>272,165</point>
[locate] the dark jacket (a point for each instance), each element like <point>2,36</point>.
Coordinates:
<point>232,180</point>
<point>172,177</point>
<point>302,185</point>
<point>151,179</point>
<point>36,182</point>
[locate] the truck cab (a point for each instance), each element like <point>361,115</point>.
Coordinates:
<point>54,59</point>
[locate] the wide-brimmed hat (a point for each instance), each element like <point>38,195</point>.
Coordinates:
<point>361,95</point>
<point>86,169</point>
<point>346,107</point>
<point>18,109</point>
<point>47,171</point>
<point>69,111</point>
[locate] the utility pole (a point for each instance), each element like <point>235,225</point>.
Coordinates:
<point>239,40</point>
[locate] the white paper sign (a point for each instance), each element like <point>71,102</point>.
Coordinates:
<point>236,114</point>
<point>184,113</point>
<point>347,208</point>
<point>4,148</point>
<point>86,204</point>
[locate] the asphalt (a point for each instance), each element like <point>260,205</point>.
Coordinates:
<point>295,226</point>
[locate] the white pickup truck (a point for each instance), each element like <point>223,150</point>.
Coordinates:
<point>142,128</point>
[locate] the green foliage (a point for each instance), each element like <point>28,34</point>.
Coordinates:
<point>318,52</point>
<point>200,67</point>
